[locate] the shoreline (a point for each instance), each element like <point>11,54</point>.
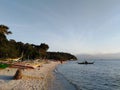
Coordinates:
<point>61,83</point>
<point>46,77</point>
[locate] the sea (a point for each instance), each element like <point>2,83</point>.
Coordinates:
<point>102,75</point>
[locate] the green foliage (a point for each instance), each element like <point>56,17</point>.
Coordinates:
<point>60,56</point>
<point>3,65</point>
<point>4,29</point>
<point>42,50</point>
<point>30,52</point>
<point>13,49</point>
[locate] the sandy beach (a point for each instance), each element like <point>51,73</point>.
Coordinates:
<point>33,79</point>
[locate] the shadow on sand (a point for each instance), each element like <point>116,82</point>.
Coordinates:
<point>4,77</point>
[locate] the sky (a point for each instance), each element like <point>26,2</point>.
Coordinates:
<point>74,26</point>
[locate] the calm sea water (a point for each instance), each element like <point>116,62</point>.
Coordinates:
<point>102,75</point>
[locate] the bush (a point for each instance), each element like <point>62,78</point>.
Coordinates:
<point>3,65</point>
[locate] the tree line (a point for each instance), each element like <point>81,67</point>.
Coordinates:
<point>13,49</point>
<point>60,56</point>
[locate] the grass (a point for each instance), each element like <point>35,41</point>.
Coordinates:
<point>3,65</point>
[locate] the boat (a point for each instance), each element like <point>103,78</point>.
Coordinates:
<point>85,62</point>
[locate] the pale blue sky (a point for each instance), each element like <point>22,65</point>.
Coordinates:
<point>75,26</point>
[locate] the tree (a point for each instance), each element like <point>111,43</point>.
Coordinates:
<point>60,56</point>
<point>44,46</point>
<point>4,30</point>
<point>43,50</point>
<point>5,48</point>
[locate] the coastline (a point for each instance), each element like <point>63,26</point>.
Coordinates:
<point>33,79</point>
<point>60,82</point>
<point>46,77</point>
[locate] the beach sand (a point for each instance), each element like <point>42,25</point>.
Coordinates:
<point>39,78</point>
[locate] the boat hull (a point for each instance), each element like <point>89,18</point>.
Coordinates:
<point>85,63</point>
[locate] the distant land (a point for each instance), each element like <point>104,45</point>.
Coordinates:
<point>99,56</point>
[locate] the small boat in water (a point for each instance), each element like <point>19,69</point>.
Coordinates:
<point>85,62</point>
